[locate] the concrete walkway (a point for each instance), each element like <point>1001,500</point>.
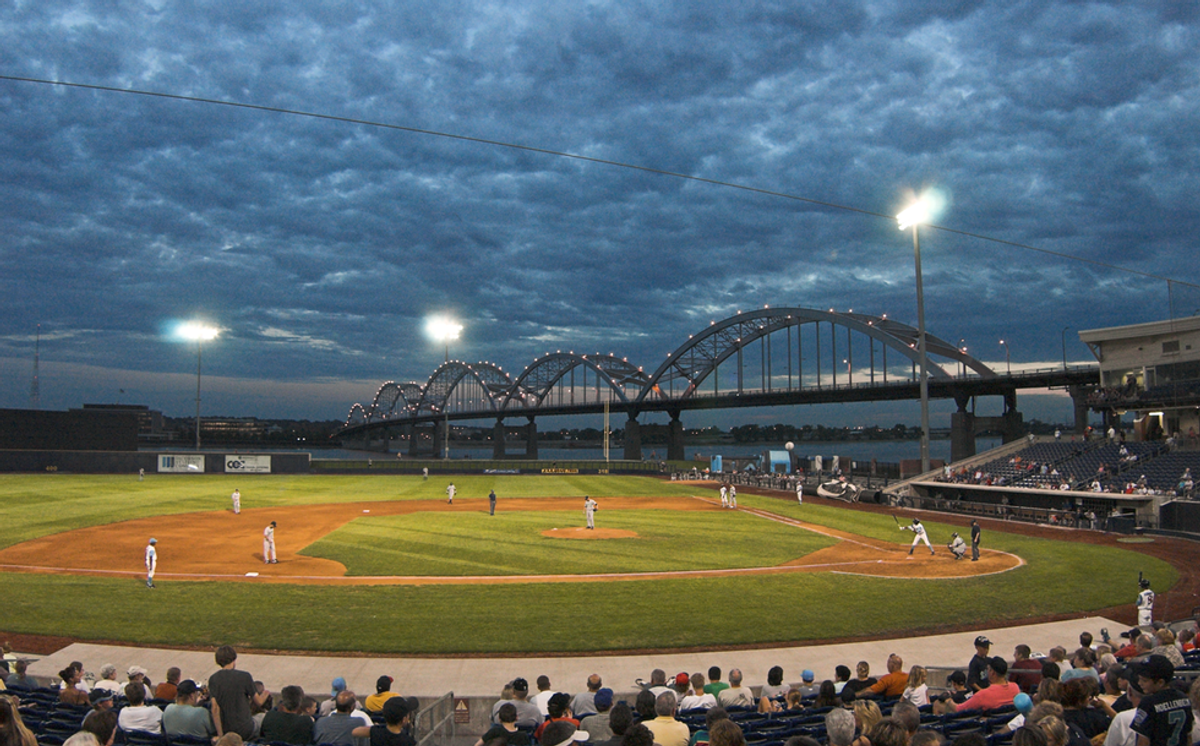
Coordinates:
<point>484,677</point>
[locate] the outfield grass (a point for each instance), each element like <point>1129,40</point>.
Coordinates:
<point>1060,577</point>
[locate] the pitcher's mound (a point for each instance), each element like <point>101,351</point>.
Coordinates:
<point>584,533</point>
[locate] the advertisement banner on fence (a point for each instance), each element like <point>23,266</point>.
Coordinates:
<point>186,463</point>
<point>239,464</point>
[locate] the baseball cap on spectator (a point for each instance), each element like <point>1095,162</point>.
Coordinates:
<point>98,695</point>
<point>411,703</point>
<point>339,685</point>
<point>999,665</point>
<point>135,670</point>
<point>383,683</point>
<point>520,685</point>
<point>982,642</point>
<point>1134,685</point>
<point>604,698</point>
<point>395,710</point>
<point>808,675</point>
<point>561,733</point>
<point>558,703</point>
<point>682,679</point>
<point>186,688</point>
<point>1156,667</point>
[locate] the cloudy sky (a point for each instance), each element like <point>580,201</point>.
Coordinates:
<point>319,246</point>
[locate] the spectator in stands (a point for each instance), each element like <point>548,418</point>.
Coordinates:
<point>1029,735</point>
<point>827,695</point>
<point>638,735</point>
<point>1166,647</point>
<point>100,699</point>
<point>726,733</point>
<point>862,680</point>
<point>1119,731</point>
<point>584,703</point>
<point>841,674</point>
<point>232,693</point>
<point>598,724</point>
<point>108,679</point>
<point>1058,656</point>
<point>892,684</point>
<point>1077,710</point>
<point>666,729</point>
<point>12,728</point>
<point>619,720</point>
<point>258,711</point>
<point>70,694</point>
<point>1086,640</point>
<point>1025,671</point>
<point>774,687</point>
<point>681,685</point>
<point>839,727</point>
<point>137,715</point>
<point>866,715</point>
<point>715,685</point>
<point>137,675</point>
<point>544,693</point>
<point>562,733</point>
<point>658,682</point>
<point>1110,682</point>
<point>888,732</point>
<point>1083,665</point>
<point>1187,639</point>
<point>736,695</point>
<point>916,692</point>
<point>527,712</point>
<point>287,723</point>
<point>383,692</point>
<point>337,686</point>
<point>184,717</point>
<point>166,690</point>
<point>977,677</point>
<point>908,716</point>
<point>711,718</point>
<point>504,732</point>
<point>644,705</point>
<point>393,731</point>
<point>102,724</point>
<point>807,686</point>
<point>999,693</point>
<point>558,707</point>
<point>1194,698</point>
<point>19,678</point>
<point>698,699</point>
<point>338,726</point>
<point>956,693</point>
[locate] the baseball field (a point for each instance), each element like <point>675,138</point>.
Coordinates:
<point>382,564</point>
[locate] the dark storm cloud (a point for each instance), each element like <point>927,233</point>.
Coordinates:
<point>321,246</point>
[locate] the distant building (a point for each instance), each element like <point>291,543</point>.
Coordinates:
<point>1152,370</point>
<point>75,430</point>
<point>150,421</point>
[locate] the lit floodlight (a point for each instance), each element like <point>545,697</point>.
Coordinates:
<point>925,209</point>
<point>197,331</point>
<point>443,329</point>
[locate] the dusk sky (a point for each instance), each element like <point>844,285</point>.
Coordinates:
<point>320,246</point>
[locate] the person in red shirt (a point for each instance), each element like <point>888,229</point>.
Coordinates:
<point>559,707</point>
<point>1000,691</point>
<point>892,684</point>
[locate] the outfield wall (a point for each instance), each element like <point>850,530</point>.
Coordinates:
<point>129,462</point>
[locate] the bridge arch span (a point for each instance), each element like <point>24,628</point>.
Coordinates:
<point>537,381</point>
<point>450,376</point>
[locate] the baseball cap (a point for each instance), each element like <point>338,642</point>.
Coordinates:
<point>395,709</point>
<point>154,541</point>
<point>558,702</point>
<point>604,698</point>
<point>520,685</point>
<point>186,688</point>
<point>339,685</point>
<point>561,733</point>
<point>807,675</point>
<point>96,696</point>
<point>999,665</point>
<point>1156,667</point>
<point>982,642</point>
<point>682,679</point>
<point>383,683</point>
<point>135,670</point>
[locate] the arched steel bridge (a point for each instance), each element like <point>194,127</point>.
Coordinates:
<point>771,356</point>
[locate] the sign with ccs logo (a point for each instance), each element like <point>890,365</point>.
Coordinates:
<point>248,464</point>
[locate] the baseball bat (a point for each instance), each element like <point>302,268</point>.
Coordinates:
<point>897,520</point>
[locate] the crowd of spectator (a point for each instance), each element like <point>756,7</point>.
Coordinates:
<point>1107,693</point>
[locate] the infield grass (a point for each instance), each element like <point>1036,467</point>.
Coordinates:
<point>1059,577</point>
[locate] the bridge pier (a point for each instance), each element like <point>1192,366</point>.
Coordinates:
<point>439,439</point>
<point>1079,397</point>
<point>633,439</point>
<point>531,439</point>
<point>498,439</point>
<point>675,438</point>
<point>965,425</point>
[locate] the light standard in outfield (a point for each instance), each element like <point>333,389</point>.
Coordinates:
<point>913,216</point>
<point>444,330</point>
<point>198,332</point>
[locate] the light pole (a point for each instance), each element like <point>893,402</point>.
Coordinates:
<point>1007,357</point>
<point>913,216</point>
<point>1064,346</point>
<point>962,347</point>
<point>444,330</point>
<point>199,333</point>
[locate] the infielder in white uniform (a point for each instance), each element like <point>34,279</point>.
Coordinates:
<point>724,497</point>
<point>237,501</point>
<point>269,545</point>
<point>1145,604</point>
<point>919,530</point>
<point>589,511</point>
<point>732,496</point>
<point>450,493</point>
<point>800,493</point>
<point>152,562</point>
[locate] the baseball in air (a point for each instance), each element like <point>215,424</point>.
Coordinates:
<point>789,445</point>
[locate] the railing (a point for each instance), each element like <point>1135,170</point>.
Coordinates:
<point>440,714</point>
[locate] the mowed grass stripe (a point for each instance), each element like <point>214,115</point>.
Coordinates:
<point>513,543</point>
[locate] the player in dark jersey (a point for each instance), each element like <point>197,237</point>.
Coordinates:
<point>1164,716</point>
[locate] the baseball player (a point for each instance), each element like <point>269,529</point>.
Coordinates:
<point>237,501</point>
<point>269,545</point>
<point>1145,604</point>
<point>976,536</point>
<point>589,511</point>
<point>450,493</point>
<point>492,503</point>
<point>724,497</point>
<point>800,493</point>
<point>919,535</point>
<point>957,546</point>
<point>152,562</point>
<point>732,496</point>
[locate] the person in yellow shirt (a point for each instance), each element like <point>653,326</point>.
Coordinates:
<point>383,692</point>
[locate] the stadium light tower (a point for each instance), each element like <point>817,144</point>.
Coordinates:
<point>913,216</point>
<point>444,330</point>
<point>198,332</point>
